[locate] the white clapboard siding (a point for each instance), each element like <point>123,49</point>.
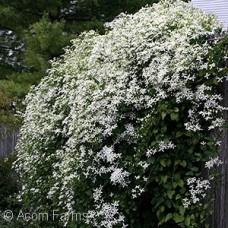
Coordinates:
<point>217,7</point>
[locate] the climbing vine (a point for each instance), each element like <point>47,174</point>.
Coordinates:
<point>121,126</point>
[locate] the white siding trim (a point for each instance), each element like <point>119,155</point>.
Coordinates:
<point>217,7</point>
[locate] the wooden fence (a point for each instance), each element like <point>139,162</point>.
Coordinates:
<point>7,140</point>
<point>220,207</point>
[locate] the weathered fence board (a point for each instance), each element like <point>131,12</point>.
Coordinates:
<point>221,206</point>
<point>219,219</point>
<point>220,216</point>
<point>7,141</point>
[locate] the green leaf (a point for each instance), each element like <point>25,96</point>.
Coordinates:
<point>178,196</point>
<point>179,134</point>
<point>170,194</point>
<point>174,116</point>
<point>168,203</point>
<point>182,190</point>
<point>182,210</point>
<point>189,173</point>
<point>174,184</point>
<point>162,208</point>
<point>168,162</point>
<point>180,183</point>
<point>158,201</point>
<point>183,163</point>
<point>163,162</point>
<point>168,217</point>
<point>177,162</point>
<point>178,218</point>
<point>195,169</point>
<point>164,179</point>
<point>188,221</point>
<point>163,115</point>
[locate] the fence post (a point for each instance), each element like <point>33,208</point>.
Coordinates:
<point>7,140</point>
<point>220,215</point>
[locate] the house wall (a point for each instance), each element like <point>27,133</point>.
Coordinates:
<point>217,7</point>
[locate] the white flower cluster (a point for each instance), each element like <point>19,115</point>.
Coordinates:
<point>162,146</point>
<point>97,194</point>
<point>213,162</point>
<point>119,177</point>
<point>86,108</point>
<point>108,214</point>
<point>137,191</point>
<point>197,190</point>
<point>165,146</point>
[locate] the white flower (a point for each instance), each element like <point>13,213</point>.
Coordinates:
<point>165,146</point>
<point>197,189</point>
<point>108,154</point>
<point>203,143</point>
<point>213,162</point>
<point>150,152</point>
<point>119,177</point>
<point>186,203</point>
<point>97,193</point>
<point>143,164</point>
<point>109,214</point>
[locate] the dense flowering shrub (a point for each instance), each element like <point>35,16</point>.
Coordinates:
<point>121,125</point>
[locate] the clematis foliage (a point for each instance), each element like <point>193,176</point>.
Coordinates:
<point>120,127</point>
